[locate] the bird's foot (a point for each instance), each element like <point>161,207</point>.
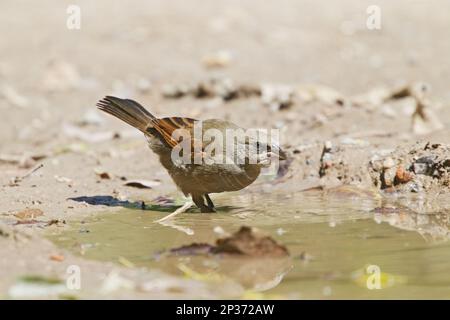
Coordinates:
<point>207,210</point>
<point>210,206</point>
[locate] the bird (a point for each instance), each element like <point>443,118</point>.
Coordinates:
<point>217,171</point>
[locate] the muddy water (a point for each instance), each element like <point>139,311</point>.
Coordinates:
<point>340,246</point>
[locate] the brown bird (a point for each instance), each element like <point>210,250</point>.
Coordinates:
<point>197,179</point>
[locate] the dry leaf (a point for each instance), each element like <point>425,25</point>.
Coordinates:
<point>102,174</point>
<point>57,257</point>
<point>29,214</point>
<point>143,184</point>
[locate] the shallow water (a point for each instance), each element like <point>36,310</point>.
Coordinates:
<point>332,239</point>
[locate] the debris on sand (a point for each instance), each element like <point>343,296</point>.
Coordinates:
<point>103,174</point>
<point>277,97</point>
<point>172,91</point>
<point>326,158</point>
<point>218,59</point>
<point>29,214</point>
<point>402,175</point>
<point>143,184</point>
<point>14,182</point>
<point>245,242</point>
<point>422,111</point>
<point>23,161</point>
<point>320,93</point>
<point>413,169</point>
<point>57,257</point>
<point>223,88</point>
<point>424,118</point>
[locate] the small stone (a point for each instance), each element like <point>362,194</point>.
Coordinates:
<point>429,160</point>
<point>414,187</point>
<point>402,176</point>
<point>389,177</point>
<point>420,168</point>
<point>388,163</point>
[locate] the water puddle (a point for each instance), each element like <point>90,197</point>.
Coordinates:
<point>339,246</point>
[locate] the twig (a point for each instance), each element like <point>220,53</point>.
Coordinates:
<point>29,173</point>
<point>182,209</point>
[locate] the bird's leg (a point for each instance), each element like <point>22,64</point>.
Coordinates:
<point>200,202</point>
<point>210,203</point>
<point>181,209</point>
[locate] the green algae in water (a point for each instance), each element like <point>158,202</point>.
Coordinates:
<point>332,241</point>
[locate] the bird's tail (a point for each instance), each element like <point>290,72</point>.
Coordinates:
<point>127,110</point>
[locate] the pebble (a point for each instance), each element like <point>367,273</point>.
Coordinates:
<point>420,168</point>
<point>389,176</point>
<point>388,163</point>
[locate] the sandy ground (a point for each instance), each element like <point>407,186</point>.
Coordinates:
<point>342,81</point>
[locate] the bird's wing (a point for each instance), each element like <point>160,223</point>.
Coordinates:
<point>164,128</point>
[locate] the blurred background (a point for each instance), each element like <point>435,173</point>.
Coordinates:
<point>49,73</point>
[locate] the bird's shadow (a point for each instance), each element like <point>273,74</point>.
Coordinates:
<point>110,201</point>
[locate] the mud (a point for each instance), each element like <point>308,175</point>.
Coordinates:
<point>245,242</point>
